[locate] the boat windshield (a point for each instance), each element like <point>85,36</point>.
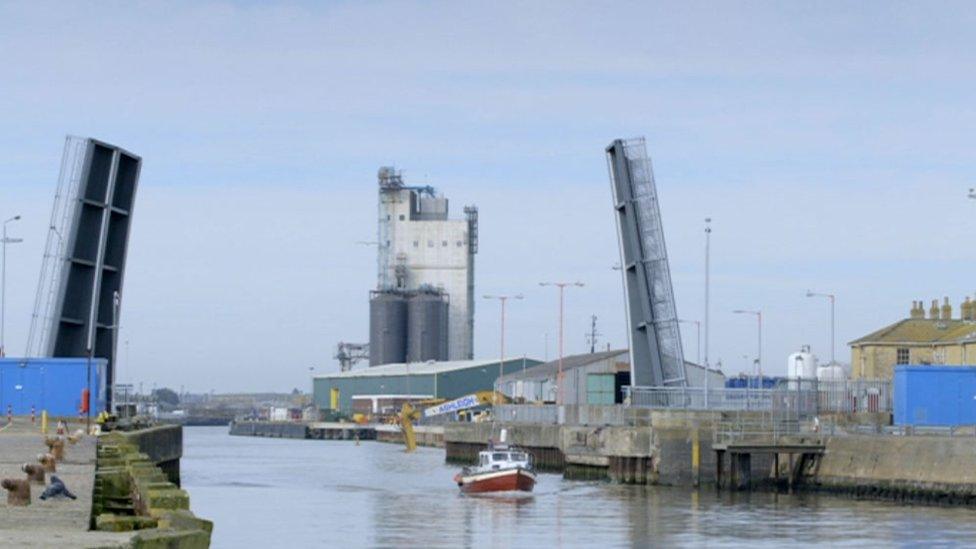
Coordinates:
<point>507,456</point>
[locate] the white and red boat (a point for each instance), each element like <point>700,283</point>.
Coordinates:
<point>501,468</point>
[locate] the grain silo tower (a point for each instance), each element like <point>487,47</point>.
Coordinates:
<point>425,276</point>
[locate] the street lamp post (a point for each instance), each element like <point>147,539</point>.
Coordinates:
<point>559,375</point>
<point>708,243</point>
<point>697,324</point>
<point>3,283</point>
<point>503,299</point>
<point>830,297</point>
<point>758,315</point>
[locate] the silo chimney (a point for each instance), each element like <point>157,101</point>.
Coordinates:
<point>966,309</point>
<point>946,309</point>
<point>934,310</point>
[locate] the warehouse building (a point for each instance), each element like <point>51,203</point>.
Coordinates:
<point>419,380</point>
<point>592,379</point>
<point>937,339</point>
<point>54,385</point>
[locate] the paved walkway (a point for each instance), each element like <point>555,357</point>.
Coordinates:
<point>55,522</point>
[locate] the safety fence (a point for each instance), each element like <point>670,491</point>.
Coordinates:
<point>798,398</point>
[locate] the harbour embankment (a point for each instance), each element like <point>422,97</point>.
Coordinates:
<point>125,487</point>
<point>426,435</point>
<point>936,469</point>
<point>632,445</point>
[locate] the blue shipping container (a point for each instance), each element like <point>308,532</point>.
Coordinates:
<point>935,395</point>
<point>52,384</point>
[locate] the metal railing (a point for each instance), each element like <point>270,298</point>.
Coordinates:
<point>762,427</point>
<point>803,397</point>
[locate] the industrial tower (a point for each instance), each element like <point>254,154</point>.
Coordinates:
<point>423,306</point>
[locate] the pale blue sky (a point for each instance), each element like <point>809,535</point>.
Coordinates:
<point>830,142</point>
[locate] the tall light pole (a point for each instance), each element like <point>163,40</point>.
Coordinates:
<point>3,283</point>
<point>708,243</point>
<point>559,375</point>
<point>758,315</point>
<point>831,298</point>
<point>697,324</point>
<point>503,299</point>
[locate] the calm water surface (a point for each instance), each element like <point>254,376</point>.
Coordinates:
<point>295,493</point>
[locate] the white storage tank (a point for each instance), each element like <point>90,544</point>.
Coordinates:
<point>802,364</point>
<point>831,372</point>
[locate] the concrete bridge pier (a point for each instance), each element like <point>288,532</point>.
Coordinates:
<point>741,470</point>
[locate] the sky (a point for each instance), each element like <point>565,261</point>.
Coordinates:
<point>829,142</point>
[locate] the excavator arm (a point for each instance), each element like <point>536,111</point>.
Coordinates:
<point>409,414</point>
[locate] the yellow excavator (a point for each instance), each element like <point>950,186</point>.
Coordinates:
<point>409,414</point>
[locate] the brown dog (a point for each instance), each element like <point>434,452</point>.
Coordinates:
<point>47,461</point>
<point>18,492</point>
<point>35,473</point>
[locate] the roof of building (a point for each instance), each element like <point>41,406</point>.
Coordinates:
<point>549,369</point>
<point>421,368</point>
<point>921,331</point>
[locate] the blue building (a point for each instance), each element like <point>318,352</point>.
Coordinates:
<point>52,384</point>
<point>935,395</point>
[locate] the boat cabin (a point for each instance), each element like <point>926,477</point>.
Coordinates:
<point>504,458</point>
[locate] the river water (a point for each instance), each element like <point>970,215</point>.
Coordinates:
<point>309,493</point>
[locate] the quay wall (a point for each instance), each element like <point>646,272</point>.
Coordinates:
<point>651,447</point>
<point>164,446</point>
<point>928,469</point>
<point>426,435</point>
<point>132,494</point>
<point>269,429</point>
<point>431,436</point>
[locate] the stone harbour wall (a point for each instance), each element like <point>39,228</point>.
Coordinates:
<point>925,469</point>
<point>133,493</point>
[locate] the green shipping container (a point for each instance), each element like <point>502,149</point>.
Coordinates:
<point>599,389</point>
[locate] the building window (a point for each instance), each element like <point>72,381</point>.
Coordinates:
<point>430,243</point>
<point>902,357</point>
<point>416,243</point>
<point>460,243</point>
<point>444,244</point>
<point>401,217</point>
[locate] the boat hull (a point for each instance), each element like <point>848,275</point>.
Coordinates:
<point>510,480</point>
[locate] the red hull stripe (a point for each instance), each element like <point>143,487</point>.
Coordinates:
<point>494,482</point>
